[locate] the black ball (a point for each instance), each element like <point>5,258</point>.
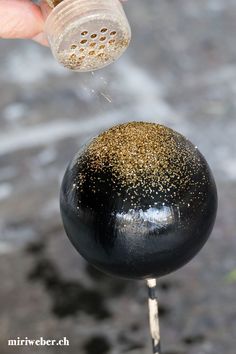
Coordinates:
<point>139,201</point>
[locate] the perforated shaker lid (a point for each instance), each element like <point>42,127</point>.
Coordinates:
<point>88,35</point>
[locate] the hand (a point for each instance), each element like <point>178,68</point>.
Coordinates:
<point>21,19</point>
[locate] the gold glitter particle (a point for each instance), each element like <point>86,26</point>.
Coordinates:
<point>53,3</point>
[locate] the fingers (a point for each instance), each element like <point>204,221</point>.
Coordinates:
<point>23,19</point>
<point>41,38</point>
<point>45,11</point>
<point>20,19</point>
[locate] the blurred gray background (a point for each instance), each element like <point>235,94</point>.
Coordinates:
<point>180,70</point>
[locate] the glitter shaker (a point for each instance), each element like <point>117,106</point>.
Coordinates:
<point>86,35</point>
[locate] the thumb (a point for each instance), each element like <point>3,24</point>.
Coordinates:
<point>20,19</point>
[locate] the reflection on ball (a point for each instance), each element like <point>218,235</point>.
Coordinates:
<point>139,201</point>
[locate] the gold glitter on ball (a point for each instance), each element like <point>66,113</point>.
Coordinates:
<point>145,156</point>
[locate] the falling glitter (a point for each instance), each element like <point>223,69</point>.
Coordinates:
<point>108,98</point>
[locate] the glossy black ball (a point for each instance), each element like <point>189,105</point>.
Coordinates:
<point>139,201</point>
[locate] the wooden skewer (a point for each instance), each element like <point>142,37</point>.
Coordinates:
<point>153,315</point>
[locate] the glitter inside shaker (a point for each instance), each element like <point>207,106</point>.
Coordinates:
<point>87,35</point>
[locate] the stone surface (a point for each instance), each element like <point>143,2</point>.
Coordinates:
<point>180,70</point>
